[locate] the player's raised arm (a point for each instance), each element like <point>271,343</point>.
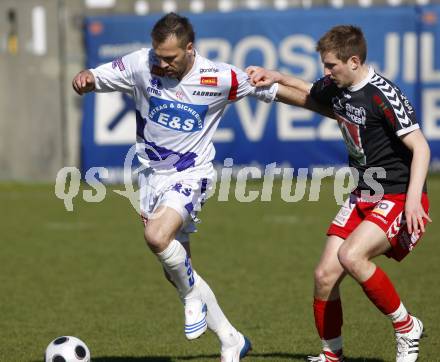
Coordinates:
<point>84,82</point>
<point>291,90</point>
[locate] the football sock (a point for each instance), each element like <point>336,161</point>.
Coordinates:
<point>328,321</point>
<point>402,321</point>
<point>190,285</point>
<point>380,290</point>
<point>178,266</point>
<point>217,321</point>
<point>328,318</point>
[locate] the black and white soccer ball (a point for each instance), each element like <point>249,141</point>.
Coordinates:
<point>67,349</point>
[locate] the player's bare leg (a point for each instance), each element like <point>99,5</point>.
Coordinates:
<point>327,303</point>
<point>160,232</point>
<point>364,243</point>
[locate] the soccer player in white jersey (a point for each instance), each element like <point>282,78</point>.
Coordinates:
<point>180,97</point>
<point>380,129</point>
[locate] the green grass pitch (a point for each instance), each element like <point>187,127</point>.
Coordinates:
<point>88,273</point>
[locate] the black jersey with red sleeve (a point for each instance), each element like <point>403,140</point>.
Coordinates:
<point>372,116</point>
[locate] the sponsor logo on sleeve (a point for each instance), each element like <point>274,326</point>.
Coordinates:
<point>118,63</point>
<point>211,81</point>
<point>408,107</point>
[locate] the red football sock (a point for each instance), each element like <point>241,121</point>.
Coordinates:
<point>381,292</point>
<point>328,318</point>
<point>404,326</point>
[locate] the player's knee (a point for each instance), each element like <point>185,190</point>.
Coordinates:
<point>155,237</point>
<point>324,278</point>
<point>349,259</point>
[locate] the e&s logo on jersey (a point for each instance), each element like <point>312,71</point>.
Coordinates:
<point>177,116</point>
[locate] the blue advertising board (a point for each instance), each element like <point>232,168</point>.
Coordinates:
<point>402,48</point>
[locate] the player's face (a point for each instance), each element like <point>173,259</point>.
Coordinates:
<point>176,60</point>
<point>341,73</point>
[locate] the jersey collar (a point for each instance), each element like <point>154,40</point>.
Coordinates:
<point>363,82</point>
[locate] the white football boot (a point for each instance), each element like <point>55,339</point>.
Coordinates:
<point>195,318</point>
<point>237,352</point>
<point>408,343</point>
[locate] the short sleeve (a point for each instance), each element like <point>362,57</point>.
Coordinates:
<point>396,109</point>
<point>240,87</point>
<point>118,75</point>
<point>323,90</point>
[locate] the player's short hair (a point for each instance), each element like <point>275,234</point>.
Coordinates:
<point>344,41</point>
<point>173,24</point>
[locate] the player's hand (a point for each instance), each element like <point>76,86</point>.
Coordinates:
<point>260,77</point>
<point>84,82</point>
<point>415,216</point>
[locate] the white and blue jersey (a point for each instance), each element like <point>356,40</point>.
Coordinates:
<point>176,120</point>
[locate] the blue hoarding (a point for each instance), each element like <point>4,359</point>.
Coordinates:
<point>402,45</point>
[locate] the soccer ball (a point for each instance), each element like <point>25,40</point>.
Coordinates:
<point>67,349</point>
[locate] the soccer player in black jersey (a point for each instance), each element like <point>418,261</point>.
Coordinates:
<point>381,132</point>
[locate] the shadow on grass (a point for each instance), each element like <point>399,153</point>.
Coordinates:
<point>156,358</point>
<point>269,356</point>
<point>280,356</point>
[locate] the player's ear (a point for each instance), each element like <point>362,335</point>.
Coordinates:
<point>189,47</point>
<point>355,62</point>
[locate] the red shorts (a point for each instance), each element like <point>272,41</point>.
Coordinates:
<point>387,213</point>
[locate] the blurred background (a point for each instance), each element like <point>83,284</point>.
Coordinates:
<point>45,126</point>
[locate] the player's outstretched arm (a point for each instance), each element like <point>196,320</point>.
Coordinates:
<point>414,211</point>
<point>83,82</point>
<point>301,98</point>
<point>260,77</point>
<point>291,90</point>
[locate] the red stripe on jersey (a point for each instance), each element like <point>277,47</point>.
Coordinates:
<point>234,86</point>
<point>387,112</point>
